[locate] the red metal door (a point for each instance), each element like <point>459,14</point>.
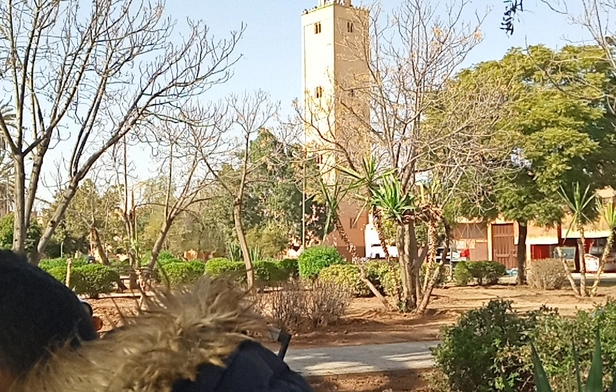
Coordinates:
<point>503,247</point>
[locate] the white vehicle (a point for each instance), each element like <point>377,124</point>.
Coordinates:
<point>375,251</point>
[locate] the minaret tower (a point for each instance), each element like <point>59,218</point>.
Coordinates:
<point>335,74</point>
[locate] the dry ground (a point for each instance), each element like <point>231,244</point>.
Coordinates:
<point>367,322</point>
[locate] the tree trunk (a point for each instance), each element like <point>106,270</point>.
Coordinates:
<point>582,252</point>
<point>362,269</point>
<point>574,287</point>
<point>160,241</point>
<point>408,290</point>
<point>69,272</point>
<point>239,228</point>
<point>97,246</point>
<point>53,223</point>
<point>20,226</point>
<point>432,251</point>
<point>606,253</point>
<point>378,225</point>
<point>523,231</point>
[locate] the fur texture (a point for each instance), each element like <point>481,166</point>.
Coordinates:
<point>166,342</point>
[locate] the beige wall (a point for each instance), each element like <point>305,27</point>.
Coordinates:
<point>334,64</point>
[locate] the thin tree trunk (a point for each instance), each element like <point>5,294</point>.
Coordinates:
<point>403,259</point>
<point>432,250</point>
<point>20,226</point>
<point>378,225</point>
<point>523,232</point>
<point>362,269</point>
<point>606,253</point>
<point>55,220</point>
<point>239,228</point>
<point>98,247</point>
<point>582,252</point>
<point>574,287</point>
<point>160,241</point>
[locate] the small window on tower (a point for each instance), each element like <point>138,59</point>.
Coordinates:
<point>317,28</point>
<point>352,92</point>
<point>350,27</point>
<point>318,92</point>
<point>319,159</point>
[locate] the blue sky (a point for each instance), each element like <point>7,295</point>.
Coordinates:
<point>271,45</point>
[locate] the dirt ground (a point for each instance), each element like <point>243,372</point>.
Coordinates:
<point>395,381</point>
<point>367,322</point>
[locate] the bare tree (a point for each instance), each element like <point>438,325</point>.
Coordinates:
<point>82,77</point>
<point>244,117</point>
<point>428,130</point>
<point>186,179</point>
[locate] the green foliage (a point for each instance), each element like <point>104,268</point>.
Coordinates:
<point>470,356</point>
<point>167,257</point>
<point>594,383</point>
<point>58,272</point>
<point>219,266</point>
<point>461,274</point>
<point>6,233</point>
<point>270,240</point>
<point>48,264</point>
<point>392,200</point>
<point>314,259</point>
<point>484,272</point>
<point>180,273</point>
<point>347,276</point>
<point>94,279</point>
<point>290,268</point>
<point>269,272</point>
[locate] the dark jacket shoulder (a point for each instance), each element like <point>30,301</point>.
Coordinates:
<point>251,368</point>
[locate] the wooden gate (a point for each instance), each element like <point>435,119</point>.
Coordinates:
<point>503,247</point>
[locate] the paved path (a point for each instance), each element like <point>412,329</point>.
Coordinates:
<point>360,359</point>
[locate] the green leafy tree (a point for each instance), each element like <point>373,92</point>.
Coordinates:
<point>563,134</point>
<point>6,233</point>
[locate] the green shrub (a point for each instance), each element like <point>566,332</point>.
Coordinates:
<point>48,264</point>
<point>461,274</point>
<point>121,267</point>
<point>180,273</point>
<point>314,259</point>
<point>59,273</point>
<point>94,279</point>
<point>346,276</point>
<point>197,266</point>
<point>484,272</point>
<point>268,272</point>
<point>219,266</point>
<point>290,268</point>
<point>471,357</point>
<point>167,257</point>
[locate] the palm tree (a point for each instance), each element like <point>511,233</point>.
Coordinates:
<point>577,204</point>
<point>608,213</point>
<point>369,179</point>
<point>391,202</point>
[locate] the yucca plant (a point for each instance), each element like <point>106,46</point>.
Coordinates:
<point>580,206</point>
<point>594,383</point>
<point>607,210</point>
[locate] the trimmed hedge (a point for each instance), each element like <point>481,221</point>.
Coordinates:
<point>314,259</point>
<point>48,264</point>
<point>290,267</point>
<point>346,276</point>
<point>219,266</point>
<point>93,279</point>
<point>179,273</point>
<point>269,272</point>
<point>483,272</point>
